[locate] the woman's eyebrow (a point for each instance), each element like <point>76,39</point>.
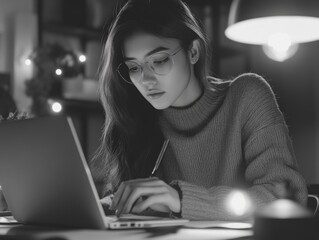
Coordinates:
<point>158,49</point>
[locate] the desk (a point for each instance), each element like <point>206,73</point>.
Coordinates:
<point>20,232</point>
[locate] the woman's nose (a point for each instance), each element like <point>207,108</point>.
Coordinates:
<point>148,76</point>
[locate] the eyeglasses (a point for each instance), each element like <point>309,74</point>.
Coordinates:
<point>159,63</point>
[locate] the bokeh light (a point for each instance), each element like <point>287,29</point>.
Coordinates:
<point>56,107</point>
<point>27,62</point>
<point>82,58</point>
<point>238,203</point>
<point>58,72</point>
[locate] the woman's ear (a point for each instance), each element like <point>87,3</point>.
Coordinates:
<point>193,51</point>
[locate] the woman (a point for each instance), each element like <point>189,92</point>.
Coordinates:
<point>223,135</point>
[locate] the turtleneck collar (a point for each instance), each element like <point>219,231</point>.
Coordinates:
<point>193,116</point>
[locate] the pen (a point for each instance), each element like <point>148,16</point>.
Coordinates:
<point>160,157</point>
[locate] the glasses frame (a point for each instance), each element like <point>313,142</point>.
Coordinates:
<point>170,55</point>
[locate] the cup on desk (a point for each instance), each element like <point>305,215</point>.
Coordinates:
<point>285,219</point>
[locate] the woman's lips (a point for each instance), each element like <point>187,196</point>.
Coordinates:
<point>155,95</point>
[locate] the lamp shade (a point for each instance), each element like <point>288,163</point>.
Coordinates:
<point>256,21</point>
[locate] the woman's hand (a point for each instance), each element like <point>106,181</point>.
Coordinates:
<point>139,194</point>
<point>106,203</point>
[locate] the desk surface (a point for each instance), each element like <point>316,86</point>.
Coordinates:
<point>41,233</point>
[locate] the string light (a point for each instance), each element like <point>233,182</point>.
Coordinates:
<point>58,72</point>
<point>56,107</point>
<point>82,58</point>
<point>27,62</point>
<point>55,63</point>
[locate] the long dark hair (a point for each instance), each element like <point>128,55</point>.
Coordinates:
<point>131,134</point>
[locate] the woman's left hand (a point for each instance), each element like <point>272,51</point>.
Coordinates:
<point>139,194</point>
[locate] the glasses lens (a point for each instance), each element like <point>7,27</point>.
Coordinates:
<point>161,63</point>
<point>134,71</point>
<point>122,70</point>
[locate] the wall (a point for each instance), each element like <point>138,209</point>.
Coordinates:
<point>17,35</point>
<point>296,85</point>
<point>8,9</point>
<point>2,47</point>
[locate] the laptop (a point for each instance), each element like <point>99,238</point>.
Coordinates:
<point>46,180</point>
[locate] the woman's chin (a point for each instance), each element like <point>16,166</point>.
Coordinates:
<point>159,106</point>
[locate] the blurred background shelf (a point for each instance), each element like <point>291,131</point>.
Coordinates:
<point>75,31</point>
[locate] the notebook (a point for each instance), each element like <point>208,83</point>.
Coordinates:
<point>46,180</point>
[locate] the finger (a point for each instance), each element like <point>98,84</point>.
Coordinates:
<point>118,195</point>
<point>125,193</point>
<point>107,200</point>
<point>138,180</point>
<point>143,182</point>
<point>158,202</point>
<point>146,181</point>
<point>133,193</point>
<point>136,194</point>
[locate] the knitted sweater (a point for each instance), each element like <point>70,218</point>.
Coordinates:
<point>228,139</point>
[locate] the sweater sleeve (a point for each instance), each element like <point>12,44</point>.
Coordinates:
<point>267,154</point>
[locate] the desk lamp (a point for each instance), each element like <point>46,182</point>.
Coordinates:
<point>278,25</point>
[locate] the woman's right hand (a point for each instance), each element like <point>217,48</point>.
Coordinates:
<point>3,203</point>
<point>106,204</point>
